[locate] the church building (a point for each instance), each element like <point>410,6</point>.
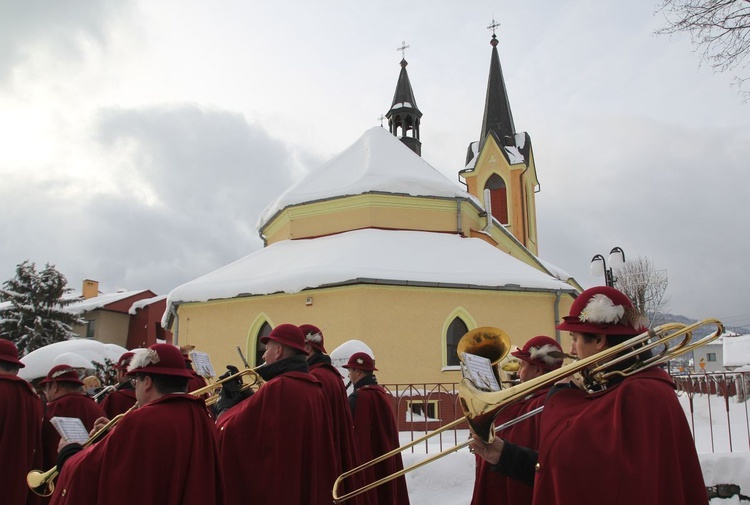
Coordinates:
<point>376,245</point>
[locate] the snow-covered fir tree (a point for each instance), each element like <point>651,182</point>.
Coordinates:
<point>35,316</point>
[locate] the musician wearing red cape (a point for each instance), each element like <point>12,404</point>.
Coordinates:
<point>277,445</point>
<point>623,442</point>
<point>375,430</point>
<point>162,453</point>
<point>538,356</point>
<point>121,399</point>
<point>65,398</point>
<point>21,428</point>
<point>340,414</point>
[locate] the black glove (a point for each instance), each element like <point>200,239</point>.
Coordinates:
<point>231,392</point>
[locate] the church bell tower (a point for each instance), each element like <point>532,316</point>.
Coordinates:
<point>404,116</point>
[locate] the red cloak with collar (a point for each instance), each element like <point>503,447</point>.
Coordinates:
<point>493,487</point>
<point>376,433</point>
<point>629,444</point>
<point>21,438</point>
<point>118,402</point>
<point>276,447</point>
<point>163,453</point>
<point>70,405</point>
<point>343,425</point>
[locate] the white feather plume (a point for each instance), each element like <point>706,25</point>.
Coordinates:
<point>601,310</point>
<point>142,358</point>
<point>547,353</point>
<point>316,337</point>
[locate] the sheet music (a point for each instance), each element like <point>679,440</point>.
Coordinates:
<point>70,428</point>
<point>202,364</point>
<point>478,370</point>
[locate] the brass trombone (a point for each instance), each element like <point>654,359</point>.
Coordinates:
<point>43,483</point>
<point>490,343</point>
<point>481,407</point>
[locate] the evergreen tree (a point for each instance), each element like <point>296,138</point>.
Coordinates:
<point>35,316</point>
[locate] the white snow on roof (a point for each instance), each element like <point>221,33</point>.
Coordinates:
<point>558,272</point>
<point>736,350</point>
<point>514,155</point>
<point>376,162</point>
<point>97,302</point>
<point>146,301</point>
<point>290,266</point>
<point>76,352</point>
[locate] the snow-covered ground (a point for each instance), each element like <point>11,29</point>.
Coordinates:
<point>450,480</point>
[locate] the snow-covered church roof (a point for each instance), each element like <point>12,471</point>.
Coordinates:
<point>370,255</point>
<point>376,162</point>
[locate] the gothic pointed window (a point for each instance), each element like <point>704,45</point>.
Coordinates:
<point>260,348</point>
<point>498,197</point>
<point>456,330</point>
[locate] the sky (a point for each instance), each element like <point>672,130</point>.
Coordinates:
<point>142,140</point>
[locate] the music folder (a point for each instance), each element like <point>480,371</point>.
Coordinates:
<point>70,428</point>
<point>478,370</point>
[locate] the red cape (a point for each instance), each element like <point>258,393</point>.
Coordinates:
<point>493,487</point>
<point>21,440</point>
<point>376,433</point>
<point>118,402</point>
<point>71,405</point>
<point>196,382</point>
<point>163,453</point>
<point>628,444</point>
<point>276,447</point>
<point>343,425</point>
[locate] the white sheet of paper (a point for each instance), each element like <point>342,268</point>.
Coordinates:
<point>202,364</point>
<point>70,428</point>
<point>478,370</point>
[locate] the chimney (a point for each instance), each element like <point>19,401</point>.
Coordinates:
<point>90,289</point>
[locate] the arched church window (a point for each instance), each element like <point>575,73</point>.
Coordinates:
<point>260,347</point>
<point>456,330</point>
<point>498,197</point>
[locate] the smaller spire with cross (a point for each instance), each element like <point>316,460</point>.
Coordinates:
<point>403,49</point>
<point>492,27</point>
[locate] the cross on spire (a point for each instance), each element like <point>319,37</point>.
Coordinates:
<point>494,25</point>
<point>381,118</point>
<point>403,49</point>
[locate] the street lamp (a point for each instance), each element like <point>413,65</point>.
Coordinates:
<point>599,265</point>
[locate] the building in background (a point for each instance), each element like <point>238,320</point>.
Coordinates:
<point>376,245</point>
<point>129,319</point>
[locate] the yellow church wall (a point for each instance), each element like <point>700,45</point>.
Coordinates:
<point>404,326</point>
<point>369,211</point>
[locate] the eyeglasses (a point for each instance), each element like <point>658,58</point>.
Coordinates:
<point>134,380</point>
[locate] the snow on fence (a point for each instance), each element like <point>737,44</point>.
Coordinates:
<point>715,404</point>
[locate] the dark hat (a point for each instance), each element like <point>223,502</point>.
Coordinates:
<point>541,351</point>
<point>288,335</point>
<point>62,373</point>
<point>9,352</point>
<point>313,336</point>
<point>603,309</point>
<point>361,361</point>
<point>122,363</point>
<point>159,359</point>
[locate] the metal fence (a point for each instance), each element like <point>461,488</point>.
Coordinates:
<point>716,406</point>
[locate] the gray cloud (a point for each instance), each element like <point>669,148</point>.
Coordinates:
<point>211,172</point>
<point>55,25</point>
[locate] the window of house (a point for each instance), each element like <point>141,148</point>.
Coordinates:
<point>91,328</point>
<point>711,356</point>
<point>421,410</point>
<point>456,330</point>
<point>260,347</point>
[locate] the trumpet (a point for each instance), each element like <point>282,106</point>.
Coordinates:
<point>43,483</point>
<point>255,383</point>
<point>98,397</point>
<point>481,408</point>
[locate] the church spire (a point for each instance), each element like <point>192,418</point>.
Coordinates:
<point>497,115</point>
<point>404,113</point>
